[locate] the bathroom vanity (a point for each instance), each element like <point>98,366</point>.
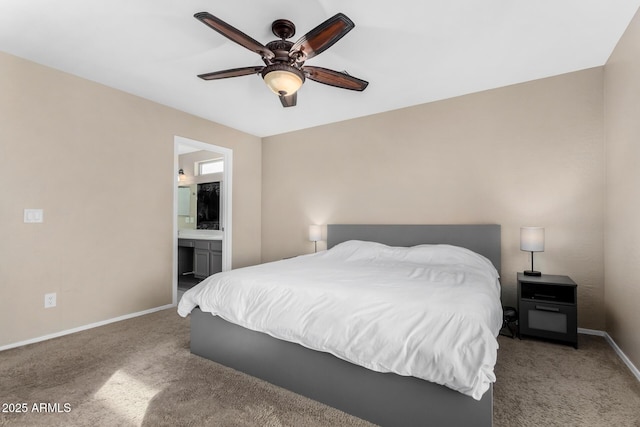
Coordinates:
<point>199,253</point>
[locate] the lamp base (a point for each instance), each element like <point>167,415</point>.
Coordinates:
<point>532,273</point>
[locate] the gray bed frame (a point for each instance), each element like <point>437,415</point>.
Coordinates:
<point>385,399</point>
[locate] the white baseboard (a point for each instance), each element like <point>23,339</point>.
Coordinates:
<point>84,327</point>
<point>615,347</point>
<point>591,332</point>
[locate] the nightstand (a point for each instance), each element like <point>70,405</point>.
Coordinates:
<point>548,307</point>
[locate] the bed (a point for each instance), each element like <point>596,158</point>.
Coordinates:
<point>381,392</point>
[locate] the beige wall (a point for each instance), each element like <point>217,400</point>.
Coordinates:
<point>101,164</point>
<point>530,154</point>
<point>622,243</point>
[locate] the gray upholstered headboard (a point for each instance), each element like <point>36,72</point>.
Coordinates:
<point>481,238</point>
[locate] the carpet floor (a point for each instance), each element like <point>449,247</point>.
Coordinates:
<point>139,372</point>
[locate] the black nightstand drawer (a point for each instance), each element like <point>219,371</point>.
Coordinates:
<point>551,321</point>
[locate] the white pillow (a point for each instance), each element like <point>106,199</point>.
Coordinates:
<point>359,250</point>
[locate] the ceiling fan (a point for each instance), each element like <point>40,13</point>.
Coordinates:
<point>284,71</point>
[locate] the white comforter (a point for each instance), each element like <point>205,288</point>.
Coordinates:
<point>430,311</point>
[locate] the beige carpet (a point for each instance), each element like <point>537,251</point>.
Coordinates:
<point>140,372</point>
<point>546,384</point>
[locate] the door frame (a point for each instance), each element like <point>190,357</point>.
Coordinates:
<point>227,194</point>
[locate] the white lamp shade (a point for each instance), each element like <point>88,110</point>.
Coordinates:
<point>315,233</point>
<point>532,239</point>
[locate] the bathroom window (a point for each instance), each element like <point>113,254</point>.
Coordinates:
<point>210,166</point>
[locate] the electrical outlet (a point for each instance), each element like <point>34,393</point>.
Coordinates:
<point>49,300</point>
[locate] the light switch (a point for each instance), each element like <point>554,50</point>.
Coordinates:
<point>33,215</point>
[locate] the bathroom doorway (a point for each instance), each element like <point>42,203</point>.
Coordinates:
<point>184,146</point>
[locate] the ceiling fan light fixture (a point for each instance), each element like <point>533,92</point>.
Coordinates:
<point>283,79</point>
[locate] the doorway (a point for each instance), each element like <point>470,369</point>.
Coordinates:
<point>185,145</point>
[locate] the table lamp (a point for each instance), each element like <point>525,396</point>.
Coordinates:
<point>532,240</point>
<point>315,234</point>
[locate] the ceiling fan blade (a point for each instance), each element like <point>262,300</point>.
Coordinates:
<point>321,37</point>
<point>234,72</point>
<point>289,100</point>
<point>334,78</point>
<point>234,34</point>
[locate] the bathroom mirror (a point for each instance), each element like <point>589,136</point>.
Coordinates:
<point>184,201</point>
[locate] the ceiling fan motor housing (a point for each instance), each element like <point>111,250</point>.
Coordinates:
<point>280,49</point>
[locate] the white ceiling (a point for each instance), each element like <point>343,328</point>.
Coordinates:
<point>410,51</point>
